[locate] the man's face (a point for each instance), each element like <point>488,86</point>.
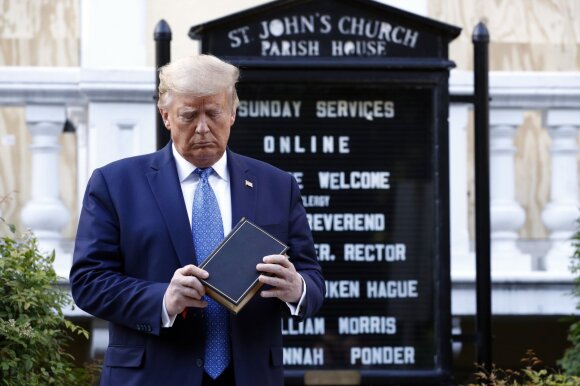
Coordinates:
<point>200,126</point>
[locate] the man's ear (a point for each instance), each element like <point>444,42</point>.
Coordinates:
<point>165,117</point>
<point>233,118</point>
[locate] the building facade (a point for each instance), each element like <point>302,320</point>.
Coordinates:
<point>76,89</point>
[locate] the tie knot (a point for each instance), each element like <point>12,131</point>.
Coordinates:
<point>203,173</point>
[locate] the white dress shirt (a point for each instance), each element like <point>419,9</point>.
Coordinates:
<point>220,183</point>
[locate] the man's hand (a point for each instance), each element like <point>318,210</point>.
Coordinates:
<point>285,281</point>
<point>185,290</point>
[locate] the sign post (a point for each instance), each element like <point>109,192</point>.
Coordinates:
<point>351,98</point>
<point>162,37</point>
<point>480,40</point>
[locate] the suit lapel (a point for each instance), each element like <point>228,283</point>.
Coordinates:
<point>166,188</point>
<point>243,188</point>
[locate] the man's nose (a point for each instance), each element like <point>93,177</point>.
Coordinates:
<point>201,127</point>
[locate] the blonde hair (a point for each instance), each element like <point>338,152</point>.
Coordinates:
<point>197,75</point>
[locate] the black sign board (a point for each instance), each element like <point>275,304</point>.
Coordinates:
<point>351,97</point>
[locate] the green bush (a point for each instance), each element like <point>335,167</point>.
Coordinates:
<point>571,361</point>
<point>33,330</point>
<point>531,374</point>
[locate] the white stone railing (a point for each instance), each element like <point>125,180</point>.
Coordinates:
<point>114,116</point>
<point>520,285</point>
<point>113,113</point>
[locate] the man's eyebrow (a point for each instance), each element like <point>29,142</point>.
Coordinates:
<point>187,110</point>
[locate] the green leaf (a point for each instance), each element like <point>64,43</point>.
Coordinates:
<point>34,331</point>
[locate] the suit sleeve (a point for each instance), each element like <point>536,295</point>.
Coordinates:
<point>98,281</point>
<point>303,254</point>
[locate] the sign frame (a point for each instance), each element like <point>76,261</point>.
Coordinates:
<point>427,71</point>
<point>438,83</point>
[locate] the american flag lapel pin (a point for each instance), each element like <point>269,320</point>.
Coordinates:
<point>249,184</point>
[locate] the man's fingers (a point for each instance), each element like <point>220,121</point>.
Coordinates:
<point>185,289</point>
<point>191,292</point>
<point>271,269</point>
<point>271,294</point>
<point>278,265</point>
<point>277,259</point>
<point>273,281</point>
<point>279,272</point>
<point>192,270</point>
<point>189,276</point>
<point>195,303</point>
<point>182,302</point>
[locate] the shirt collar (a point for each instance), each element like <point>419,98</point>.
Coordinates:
<point>185,168</point>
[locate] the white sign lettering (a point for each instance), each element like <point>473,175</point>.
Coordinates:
<point>358,36</point>
<point>290,48</point>
<point>303,356</point>
<point>269,109</point>
<point>342,289</point>
<point>392,289</point>
<point>386,355</point>
<point>375,252</point>
<point>285,144</point>
<point>298,177</point>
<point>309,326</point>
<point>353,180</point>
<point>342,222</point>
<point>355,109</point>
<point>315,201</point>
<point>357,325</point>
<point>323,252</point>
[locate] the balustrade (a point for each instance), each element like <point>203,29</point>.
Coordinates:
<point>562,211</point>
<point>45,214</point>
<point>113,113</point>
<point>507,216</point>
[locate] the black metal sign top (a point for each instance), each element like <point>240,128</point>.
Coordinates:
<point>351,97</point>
<point>326,29</point>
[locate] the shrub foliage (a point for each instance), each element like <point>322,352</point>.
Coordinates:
<point>571,361</point>
<point>532,373</point>
<point>33,330</point>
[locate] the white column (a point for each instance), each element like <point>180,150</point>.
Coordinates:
<point>45,213</point>
<point>78,116</point>
<point>507,216</point>
<point>561,212</point>
<point>462,261</point>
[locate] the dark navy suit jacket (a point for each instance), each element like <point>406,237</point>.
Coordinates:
<point>134,233</point>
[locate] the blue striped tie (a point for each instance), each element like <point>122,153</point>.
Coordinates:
<point>207,231</point>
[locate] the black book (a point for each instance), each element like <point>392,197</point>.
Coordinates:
<point>233,278</point>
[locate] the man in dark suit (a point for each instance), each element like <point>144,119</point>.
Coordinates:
<point>136,255</point>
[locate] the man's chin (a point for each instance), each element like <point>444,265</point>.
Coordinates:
<point>205,159</point>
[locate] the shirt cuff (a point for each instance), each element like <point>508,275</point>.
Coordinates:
<point>295,309</point>
<point>166,320</point>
